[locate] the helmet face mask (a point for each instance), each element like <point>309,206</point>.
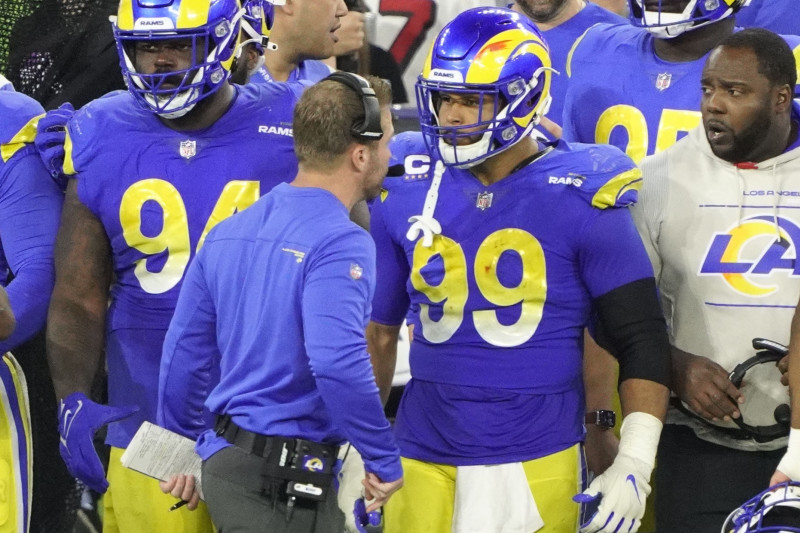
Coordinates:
<point>493,56</point>
<point>776,510</point>
<point>669,18</point>
<point>213,43</point>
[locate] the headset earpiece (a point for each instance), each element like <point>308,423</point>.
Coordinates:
<point>370,128</point>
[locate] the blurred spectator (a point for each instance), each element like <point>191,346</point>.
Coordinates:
<point>60,50</point>
<point>406,28</point>
<point>355,53</point>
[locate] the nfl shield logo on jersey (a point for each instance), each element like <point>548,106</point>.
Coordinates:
<point>484,201</point>
<point>188,149</point>
<point>356,271</point>
<point>663,80</point>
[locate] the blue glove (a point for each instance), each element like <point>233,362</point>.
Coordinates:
<point>79,418</point>
<point>367,522</point>
<point>50,134</point>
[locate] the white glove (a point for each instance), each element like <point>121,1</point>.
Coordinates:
<point>350,487</point>
<point>624,486</point>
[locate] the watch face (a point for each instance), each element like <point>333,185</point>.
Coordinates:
<point>603,418</point>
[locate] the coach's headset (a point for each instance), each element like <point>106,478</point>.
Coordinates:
<point>770,352</point>
<point>368,129</point>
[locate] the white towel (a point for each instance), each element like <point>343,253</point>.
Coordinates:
<point>494,499</point>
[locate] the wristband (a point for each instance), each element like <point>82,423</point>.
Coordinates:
<point>790,464</point>
<point>638,437</point>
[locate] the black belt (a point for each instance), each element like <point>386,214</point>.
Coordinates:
<point>254,443</point>
<point>287,458</point>
<point>297,467</point>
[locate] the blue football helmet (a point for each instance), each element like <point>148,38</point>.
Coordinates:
<point>776,510</point>
<point>658,18</point>
<point>496,54</point>
<point>213,27</point>
<point>257,21</point>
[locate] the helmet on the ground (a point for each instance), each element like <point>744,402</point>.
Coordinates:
<point>776,510</point>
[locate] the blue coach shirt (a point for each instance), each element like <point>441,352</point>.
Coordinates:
<point>277,302</point>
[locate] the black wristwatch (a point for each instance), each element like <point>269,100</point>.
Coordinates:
<point>604,418</point>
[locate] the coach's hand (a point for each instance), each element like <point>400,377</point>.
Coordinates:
<point>704,386</point>
<point>79,418</point>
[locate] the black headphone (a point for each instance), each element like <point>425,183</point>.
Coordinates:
<point>771,351</point>
<point>368,129</point>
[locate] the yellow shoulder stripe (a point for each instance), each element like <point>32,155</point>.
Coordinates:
<point>608,194</point>
<point>68,168</point>
<point>572,50</point>
<point>24,136</point>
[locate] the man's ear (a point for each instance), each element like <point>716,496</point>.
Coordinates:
<point>288,7</point>
<point>252,58</point>
<point>359,156</point>
<point>783,99</point>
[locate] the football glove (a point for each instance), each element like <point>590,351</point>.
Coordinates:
<point>50,135</point>
<point>367,522</point>
<point>623,488</point>
<point>351,493</point>
<point>79,418</point>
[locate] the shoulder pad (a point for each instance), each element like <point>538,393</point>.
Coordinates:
<point>601,174</point>
<point>88,123</point>
<point>408,149</point>
<point>18,127</point>
<point>602,40</point>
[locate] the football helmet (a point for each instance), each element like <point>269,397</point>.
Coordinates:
<point>495,54</point>
<point>776,510</point>
<point>257,21</point>
<point>213,27</point>
<point>657,17</point>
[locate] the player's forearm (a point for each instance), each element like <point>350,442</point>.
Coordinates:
<point>7,319</point>
<point>794,368</point>
<point>382,347</point>
<point>28,297</point>
<point>599,375</point>
<point>75,332</point>
<point>76,318</point>
<point>641,395</point>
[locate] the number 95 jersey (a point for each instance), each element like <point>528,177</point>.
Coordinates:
<point>158,192</point>
<point>501,298</point>
<point>621,93</point>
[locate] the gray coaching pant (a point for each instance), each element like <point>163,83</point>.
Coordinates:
<point>232,486</point>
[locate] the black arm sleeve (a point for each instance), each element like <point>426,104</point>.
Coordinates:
<point>630,325</point>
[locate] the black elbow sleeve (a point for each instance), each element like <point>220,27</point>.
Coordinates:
<point>630,325</point>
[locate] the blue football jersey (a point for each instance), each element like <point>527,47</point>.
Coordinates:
<point>779,16</point>
<point>499,302</point>
<point>308,70</point>
<point>560,40</point>
<point>158,192</point>
<point>621,93</point>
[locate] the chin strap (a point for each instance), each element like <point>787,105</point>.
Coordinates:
<point>425,222</point>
